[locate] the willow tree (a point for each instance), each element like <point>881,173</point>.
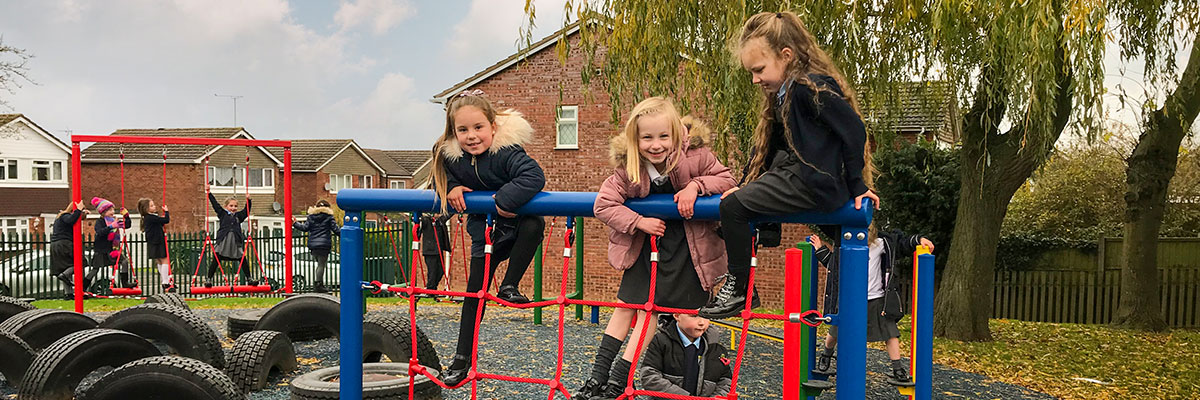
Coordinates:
<point>1016,68</point>
<point>1154,31</point>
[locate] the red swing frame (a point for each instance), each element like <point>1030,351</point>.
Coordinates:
<point>77,192</point>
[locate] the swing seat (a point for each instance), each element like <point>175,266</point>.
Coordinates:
<point>119,291</point>
<point>212,290</point>
<point>252,289</point>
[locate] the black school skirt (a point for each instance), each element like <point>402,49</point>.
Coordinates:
<point>879,327</point>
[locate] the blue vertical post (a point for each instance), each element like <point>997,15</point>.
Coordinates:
<point>852,314</point>
<point>923,345</point>
<point>351,310</point>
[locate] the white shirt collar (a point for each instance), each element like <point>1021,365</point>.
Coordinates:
<point>686,340</point>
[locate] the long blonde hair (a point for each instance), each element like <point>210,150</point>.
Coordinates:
<point>629,137</point>
<point>782,30</point>
<point>438,164</point>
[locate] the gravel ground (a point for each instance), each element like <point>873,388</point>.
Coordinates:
<point>512,345</point>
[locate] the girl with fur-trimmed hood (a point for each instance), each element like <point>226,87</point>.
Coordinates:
<point>321,227</point>
<point>481,150</point>
<point>658,153</point>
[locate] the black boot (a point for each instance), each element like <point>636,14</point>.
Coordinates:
<point>730,300</point>
<point>458,371</point>
<point>319,287</point>
<point>511,294</point>
<point>591,388</point>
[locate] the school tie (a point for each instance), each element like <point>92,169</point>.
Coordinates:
<point>691,370</point>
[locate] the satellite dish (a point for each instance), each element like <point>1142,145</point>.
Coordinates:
<point>328,187</point>
<point>276,207</point>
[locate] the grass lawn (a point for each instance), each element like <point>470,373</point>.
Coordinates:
<point>1055,358</point>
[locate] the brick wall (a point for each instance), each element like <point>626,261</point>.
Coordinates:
<point>533,88</point>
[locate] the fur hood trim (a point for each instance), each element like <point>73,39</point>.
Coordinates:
<point>320,210</point>
<point>511,130</point>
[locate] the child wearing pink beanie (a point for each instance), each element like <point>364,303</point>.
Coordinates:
<point>107,242</point>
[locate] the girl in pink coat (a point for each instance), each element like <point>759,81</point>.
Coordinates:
<point>656,155</point>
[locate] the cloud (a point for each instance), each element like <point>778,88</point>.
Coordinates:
<point>391,116</point>
<point>381,15</point>
<point>147,64</point>
<point>491,28</point>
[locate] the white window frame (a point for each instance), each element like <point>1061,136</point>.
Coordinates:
<point>368,181</point>
<point>4,168</point>
<point>40,165</point>
<point>397,184</point>
<point>57,171</point>
<point>334,182</point>
<point>268,174</point>
<point>560,122</point>
<point>17,225</point>
<point>348,181</point>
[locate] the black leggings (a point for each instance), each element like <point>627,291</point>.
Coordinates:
<point>529,236</point>
<point>214,266</point>
<point>433,266</point>
<point>735,227</point>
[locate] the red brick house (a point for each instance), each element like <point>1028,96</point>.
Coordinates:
<point>34,176</point>
<point>185,184</point>
<point>321,167</point>
<point>405,169</point>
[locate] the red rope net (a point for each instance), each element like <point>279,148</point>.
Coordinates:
<point>555,383</point>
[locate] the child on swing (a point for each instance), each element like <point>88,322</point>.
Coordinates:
<point>657,153</point>
<point>106,247</point>
<point>230,241</point>
<point>809,151</point>
<point>481,150</point>
<point>156,239</point>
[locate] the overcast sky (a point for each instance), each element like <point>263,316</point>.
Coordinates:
<point>360,69</point>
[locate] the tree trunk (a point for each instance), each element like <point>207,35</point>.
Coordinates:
<point>1151,167</point>
<point>994,165</point>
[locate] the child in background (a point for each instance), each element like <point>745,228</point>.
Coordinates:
<point>106,246</point>
<point>809,151</point>
<point>481,150</point>
<point>435,248</point>
<point>321,227</point>
<point>884,306</point>
<point>62,247</point>
<point>230,241</point>
<point>156,239</point>
<point>658,153</point>
<point>684,360</point>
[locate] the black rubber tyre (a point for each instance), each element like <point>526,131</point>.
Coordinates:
<point>10,306</point>
<point>169,298</point>
<point>303,310</point>
<point>390,335</point>
<point>243,321</point>
<point>380,381</point>
<point>40,328</point>
<point>183,332</point>
<point>255,354</point>
<point>57,370</point>
<point>163,377</point>
<point>17,356</point>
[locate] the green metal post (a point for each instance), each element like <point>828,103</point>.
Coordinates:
<point>578,267</point>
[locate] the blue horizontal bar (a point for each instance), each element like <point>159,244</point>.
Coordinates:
<point>577,204</point>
